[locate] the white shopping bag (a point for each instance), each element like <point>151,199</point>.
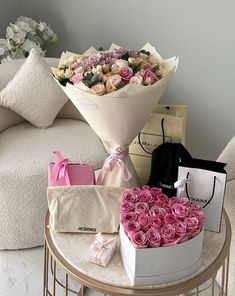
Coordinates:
<point>203,182</point>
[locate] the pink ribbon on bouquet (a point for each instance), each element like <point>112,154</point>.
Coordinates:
<point>60,168</point>
<point>118,156</point>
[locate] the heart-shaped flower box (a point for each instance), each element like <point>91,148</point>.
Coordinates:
<point>160,237</point>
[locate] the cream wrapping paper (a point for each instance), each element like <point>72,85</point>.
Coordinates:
<point>118,117</point>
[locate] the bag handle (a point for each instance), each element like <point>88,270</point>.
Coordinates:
<point>213,190</point>
<point>163,137</point>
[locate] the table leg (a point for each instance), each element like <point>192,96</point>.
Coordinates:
<point>45,278</point>
<point>227,270</point>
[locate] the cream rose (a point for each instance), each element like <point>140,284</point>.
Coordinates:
<point>99,89</point>
<point>121,63</point>
<point>68,73</point>
<point>79,70</point>
<point>115,69</point>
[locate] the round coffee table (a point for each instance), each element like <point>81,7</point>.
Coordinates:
<point>69,251</point>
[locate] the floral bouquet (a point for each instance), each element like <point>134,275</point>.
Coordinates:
<point>23,35</point>
<point>150,219</point>
<point>115,91</point>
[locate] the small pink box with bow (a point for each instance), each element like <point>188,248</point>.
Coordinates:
<point>64,173</point>
<point>102,249</point>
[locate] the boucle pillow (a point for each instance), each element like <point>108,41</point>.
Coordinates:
<point>33,94</point>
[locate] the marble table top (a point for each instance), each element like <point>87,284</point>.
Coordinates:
<point>74,247</point>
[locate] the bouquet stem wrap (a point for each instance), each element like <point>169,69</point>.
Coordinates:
<point>118,117</point>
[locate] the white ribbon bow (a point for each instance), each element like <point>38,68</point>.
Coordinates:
<point>180,185</point>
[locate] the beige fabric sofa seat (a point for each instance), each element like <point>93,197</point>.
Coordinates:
<point>25,152</point>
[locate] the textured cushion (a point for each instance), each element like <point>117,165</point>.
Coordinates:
<point>9,69</point>
<point>33,94</point>
<point>25,152</point>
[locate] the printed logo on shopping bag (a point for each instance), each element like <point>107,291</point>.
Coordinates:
<point>86,229</point>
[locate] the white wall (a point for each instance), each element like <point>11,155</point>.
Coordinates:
<point>200,32</point>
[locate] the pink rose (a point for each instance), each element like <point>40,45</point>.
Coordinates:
<point>170,218</point>
<point>139,240</point>
<point>200,217</point>
<point>145,187</point>
<point>144,221</point>
<point>155,191</point>
<point>129,216</point>
<point>156,211</point>
<point>166,207</point>
<point>157,202</point>
<point>150,76</point>
<point>145,196</point>
<point>135,190</point>
<point>114,80</point>
<point>141,207</point>
<point>126,73</point>
<point>167,232</point>
<point>180,211</point>
<point>131,227</point>
<point>128,196</point>
<point>163,198</point>
<point>184,201</point>
<point>127,206</point>
<point>156,222</point>
<point>76,78</point>
<point>172,200</point>
<point>153,237</point>
<point>192,224</point>
<point>136,80</point>
<point>185,237</point>
<point>196,207</point>
<point>180,228</point>
<point>171,242</point>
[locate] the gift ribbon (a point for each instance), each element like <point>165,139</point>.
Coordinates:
<point>118,156</point>
<point>180,185</point>
<point>100,244</point>
<point>60,168</point>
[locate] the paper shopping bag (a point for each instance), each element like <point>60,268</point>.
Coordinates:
<point>86,208</point>
<point>151,136</point>
<point>203,182</point>
<point>64,173</point>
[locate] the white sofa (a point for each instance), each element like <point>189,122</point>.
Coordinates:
<point>25,152</point>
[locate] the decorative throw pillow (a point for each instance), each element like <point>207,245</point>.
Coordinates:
<point>33,94</point>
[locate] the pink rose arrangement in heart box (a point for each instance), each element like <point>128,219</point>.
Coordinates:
<point>150,219</point>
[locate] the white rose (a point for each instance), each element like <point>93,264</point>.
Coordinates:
<point>9,33</point>
<point>68,73</point>
<point>2,51</point>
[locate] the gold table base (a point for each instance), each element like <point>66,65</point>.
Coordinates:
<point>204,284</point>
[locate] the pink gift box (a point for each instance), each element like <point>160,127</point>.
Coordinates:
<point>102,250</point>
<point>63,173</point>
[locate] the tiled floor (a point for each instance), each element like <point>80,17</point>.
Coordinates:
<point>21,274</point>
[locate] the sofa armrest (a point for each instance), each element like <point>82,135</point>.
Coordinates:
<point>228,156</point>
<point>8,118</point>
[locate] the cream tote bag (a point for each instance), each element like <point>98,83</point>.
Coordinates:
<point>151,136</point>
<point>86,208</point>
